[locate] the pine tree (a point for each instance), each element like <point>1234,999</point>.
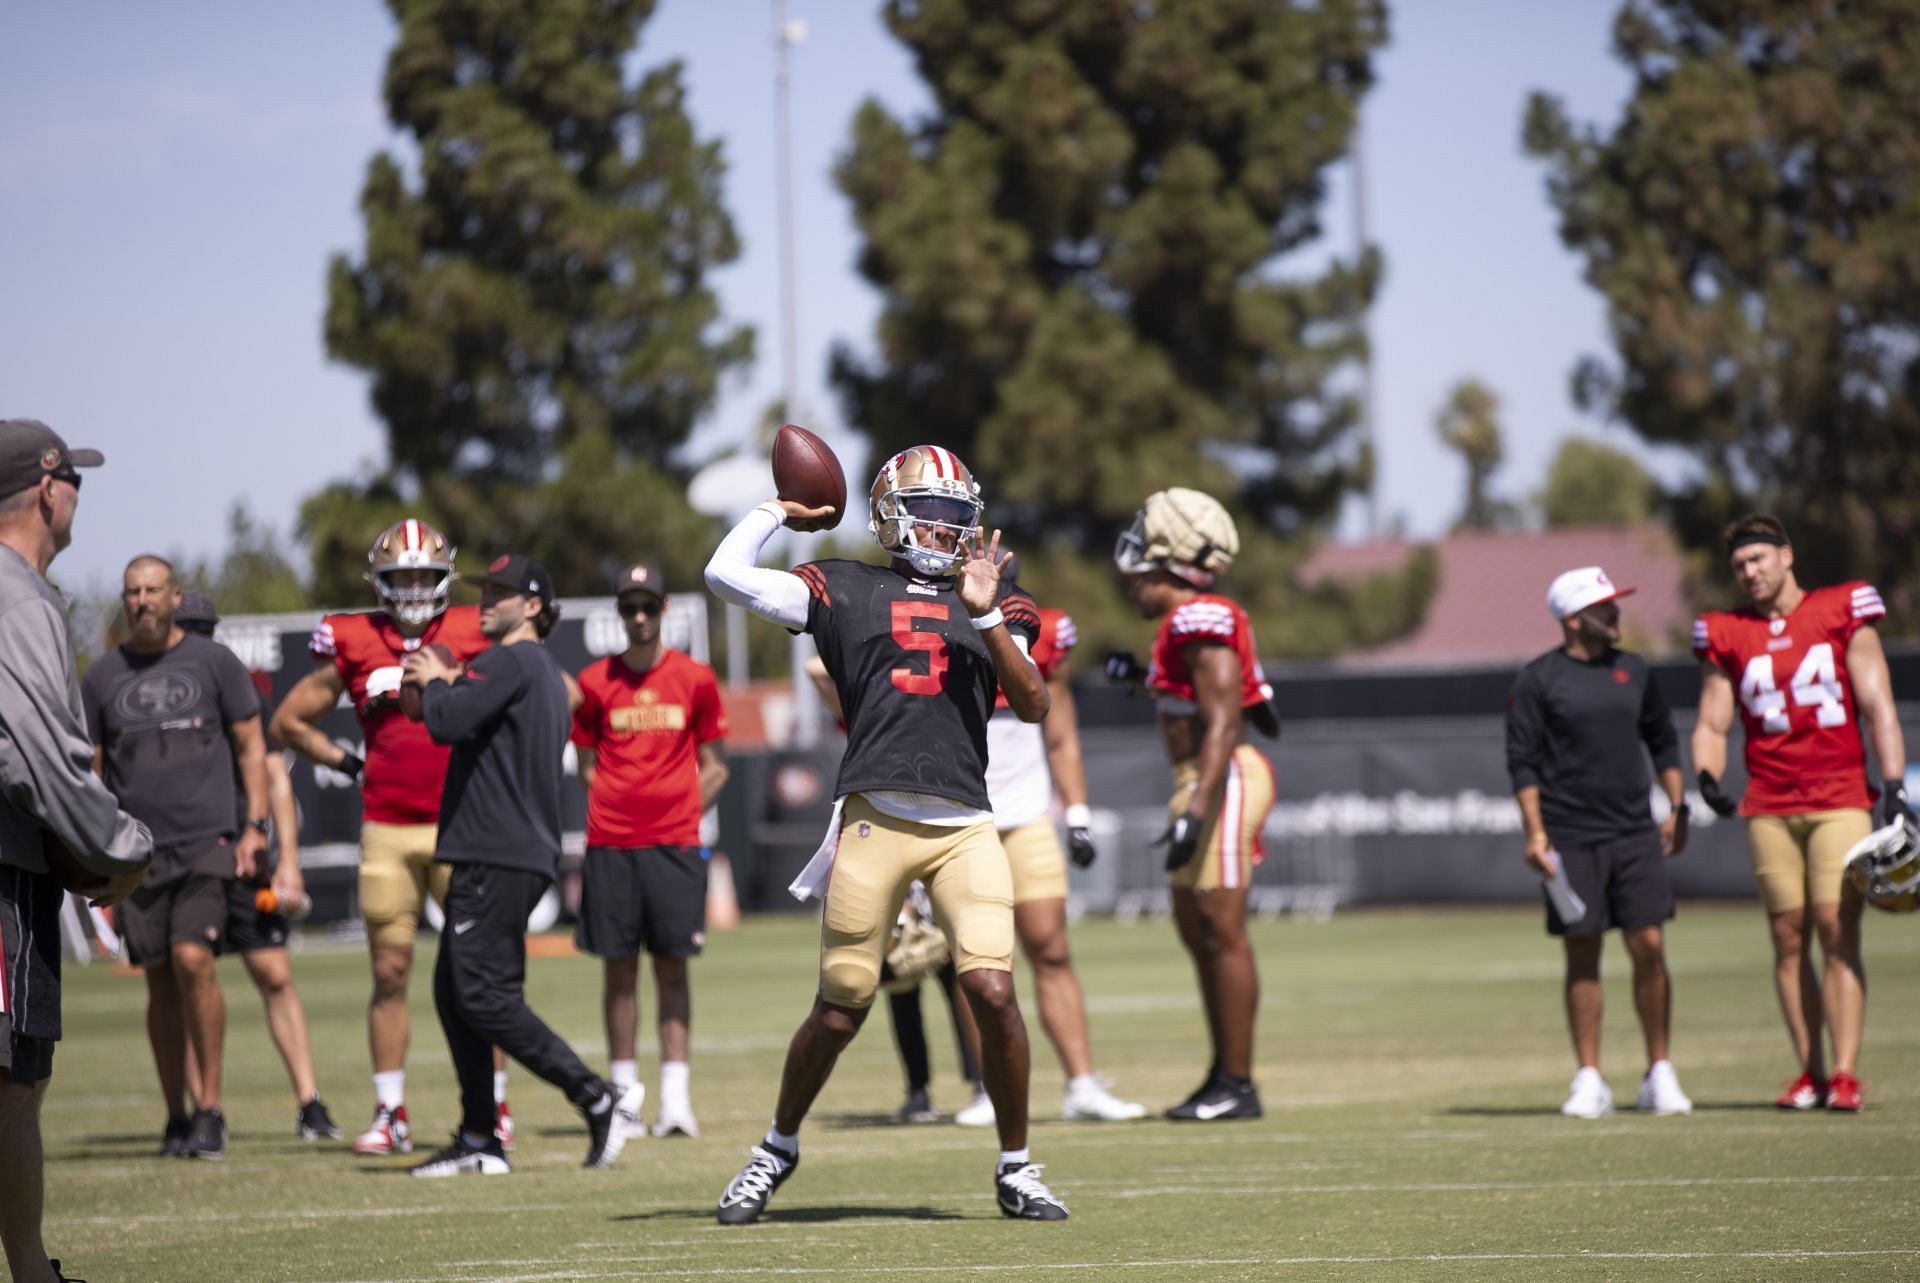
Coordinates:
<point>532,301</point>
<point>1751,222</point>
<point>1589,483</point>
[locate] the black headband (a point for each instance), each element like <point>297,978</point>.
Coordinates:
<point>1738,542</point>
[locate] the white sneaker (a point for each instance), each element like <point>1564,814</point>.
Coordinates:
<point>1660,1091</point>
<point>978,1114</point>
<point>676,1121</point>
<point>1588,1097</point>
<point>1089,1100</point>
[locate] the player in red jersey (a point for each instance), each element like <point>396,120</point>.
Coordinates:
<point>1205,677</point>
<point>1798,663</point>
<point>358,655</point>
<point>651,735</point>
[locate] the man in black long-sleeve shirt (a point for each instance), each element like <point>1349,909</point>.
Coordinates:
<point>1581,722</point>
<point>507,718</point>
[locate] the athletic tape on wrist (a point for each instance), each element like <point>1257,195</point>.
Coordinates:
<point>992,619</point>
<point>1079,816</point>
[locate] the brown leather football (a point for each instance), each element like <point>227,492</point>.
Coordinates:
<point>410,704</point>
<point>806,471</point>
<point>67,871</point>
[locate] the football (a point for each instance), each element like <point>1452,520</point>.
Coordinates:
<point>67,871</point>
<point>806,472</point>
<point>410,703</point>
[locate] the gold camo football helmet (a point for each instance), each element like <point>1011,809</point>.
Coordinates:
<point>1183,531</point>
<point>1884,866</point>
<point>919,492</point>
<point>411,544</point>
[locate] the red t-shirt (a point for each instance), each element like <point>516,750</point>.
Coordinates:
<point>1796,702</point>
<point>646,729</point>
<point>1056,641</point>
<point>1213,619</point>
<point>405,768</point>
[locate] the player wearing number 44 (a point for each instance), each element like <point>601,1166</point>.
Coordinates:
<point>1794,662</point>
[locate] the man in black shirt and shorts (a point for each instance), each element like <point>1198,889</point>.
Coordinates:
<point>176,731</point>
<point>917,650</point>
<point>1581,722</point>
<point>507,717</point>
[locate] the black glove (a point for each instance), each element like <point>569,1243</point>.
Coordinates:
<point>1710,794</point>
<point>1182,840</point>
<point>1893,803</point>
<point>1123,669</point>
<point>1080,848</point>
<point>352,765</point>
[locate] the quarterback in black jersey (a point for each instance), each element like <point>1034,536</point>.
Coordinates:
<point>918,650</point>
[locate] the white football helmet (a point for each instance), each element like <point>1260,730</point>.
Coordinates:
<point>1884,866</point>
<point>411,545</point>
<point>921,492</point>
<point>1183,531</point>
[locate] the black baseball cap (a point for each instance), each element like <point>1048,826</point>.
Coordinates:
<point>196,610</point>
<point>641,577</point>
<point>519,573</point>
<point>29,450</point>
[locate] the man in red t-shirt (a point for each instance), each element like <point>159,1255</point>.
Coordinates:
<point>1797,663</point>
<point>651,735</point>
<point>358,655</point>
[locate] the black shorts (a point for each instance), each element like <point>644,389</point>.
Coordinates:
<point>248,929</point>
<point>190,908</point>
<point>1622,880</point>
<point>29,973</point>
<point>650,898</point>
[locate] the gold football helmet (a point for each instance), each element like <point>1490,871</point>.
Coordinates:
<point>1179,530</point>
<point>1884,866</point>
<point>922,505</point>
<point>410,546</point>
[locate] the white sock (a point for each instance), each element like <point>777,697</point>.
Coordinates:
<point>625,1074</point>
<point>1655,1067</point>
<point>499,1086</point>
<point>1015,1157</point>
<point>1085,1082</point>
<point>780,1140</point>
<point>390,1088</point>
<point>673,1085</point>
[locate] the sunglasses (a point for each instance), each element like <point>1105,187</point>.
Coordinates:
<point>68,475</point>
<point>630,607</point>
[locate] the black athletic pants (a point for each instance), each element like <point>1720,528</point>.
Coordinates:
<point>910,1032</point>
<point>479,989</point>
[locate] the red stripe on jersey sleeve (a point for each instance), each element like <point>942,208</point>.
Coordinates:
<point>816,581</point>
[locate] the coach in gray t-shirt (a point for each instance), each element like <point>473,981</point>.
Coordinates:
<point>171,715</point>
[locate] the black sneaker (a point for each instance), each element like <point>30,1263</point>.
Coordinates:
<point>173,1144</point>
<point>1024,1197</point>
<point>767,1170</point>
<point>461,1158</point>
<point>917,1109</point>
<point>64,1278</point>
<point>607,1131</point>
<point>314,1121</point>
<point>1220,1099</point>
<point>208,1137</point>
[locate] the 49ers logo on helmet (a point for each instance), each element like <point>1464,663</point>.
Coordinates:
<point>411,570</point>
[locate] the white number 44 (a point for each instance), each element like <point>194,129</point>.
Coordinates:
<point>1816,684</point>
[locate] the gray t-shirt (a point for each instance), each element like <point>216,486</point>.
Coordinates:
<point>162,721</point>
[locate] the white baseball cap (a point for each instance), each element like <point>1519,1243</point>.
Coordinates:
<point>1578,589</point>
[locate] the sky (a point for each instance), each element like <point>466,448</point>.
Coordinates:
<point>177,178</point>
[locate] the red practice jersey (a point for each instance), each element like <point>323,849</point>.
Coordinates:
<point>1796,702</point>
<point>1056,641</point>
<point>405,768</point>
<point>1210,618</point>
<point>646,729</point>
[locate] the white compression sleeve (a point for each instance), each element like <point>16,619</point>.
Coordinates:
<point>771,594</point>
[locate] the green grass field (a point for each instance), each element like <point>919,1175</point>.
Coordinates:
<point>1411,1064</point>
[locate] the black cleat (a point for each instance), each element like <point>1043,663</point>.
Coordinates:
<point>1023,1197</point>
<point>917,1108</point>
<point>208,1137</point>
<point>607,1131</point>
<point>173,1144</point>
<point>461,1159</point>
<point>64,1278</point>
<point>314,1122</point>
<point>747,1194</point>
<point>1220,1099</point>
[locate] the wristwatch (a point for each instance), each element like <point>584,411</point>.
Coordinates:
<point>262,827</point>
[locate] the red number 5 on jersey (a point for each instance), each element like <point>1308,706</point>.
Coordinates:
<point>934,680</point>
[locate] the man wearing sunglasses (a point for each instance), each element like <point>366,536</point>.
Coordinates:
<point>651,735</point>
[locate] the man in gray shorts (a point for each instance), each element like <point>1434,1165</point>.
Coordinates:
<point>172,714</point>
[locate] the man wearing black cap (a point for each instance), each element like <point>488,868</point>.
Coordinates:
<point>49,796</point>
<point>651,735</point>
<point>506,716</point>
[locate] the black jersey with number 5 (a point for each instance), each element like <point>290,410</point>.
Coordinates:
<point>914,676</point>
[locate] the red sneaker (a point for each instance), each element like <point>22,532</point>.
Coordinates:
<point>1806,1093</point>
<point>1843,1094</point>
<point>389,1134</point>
<point>503,1127</point>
